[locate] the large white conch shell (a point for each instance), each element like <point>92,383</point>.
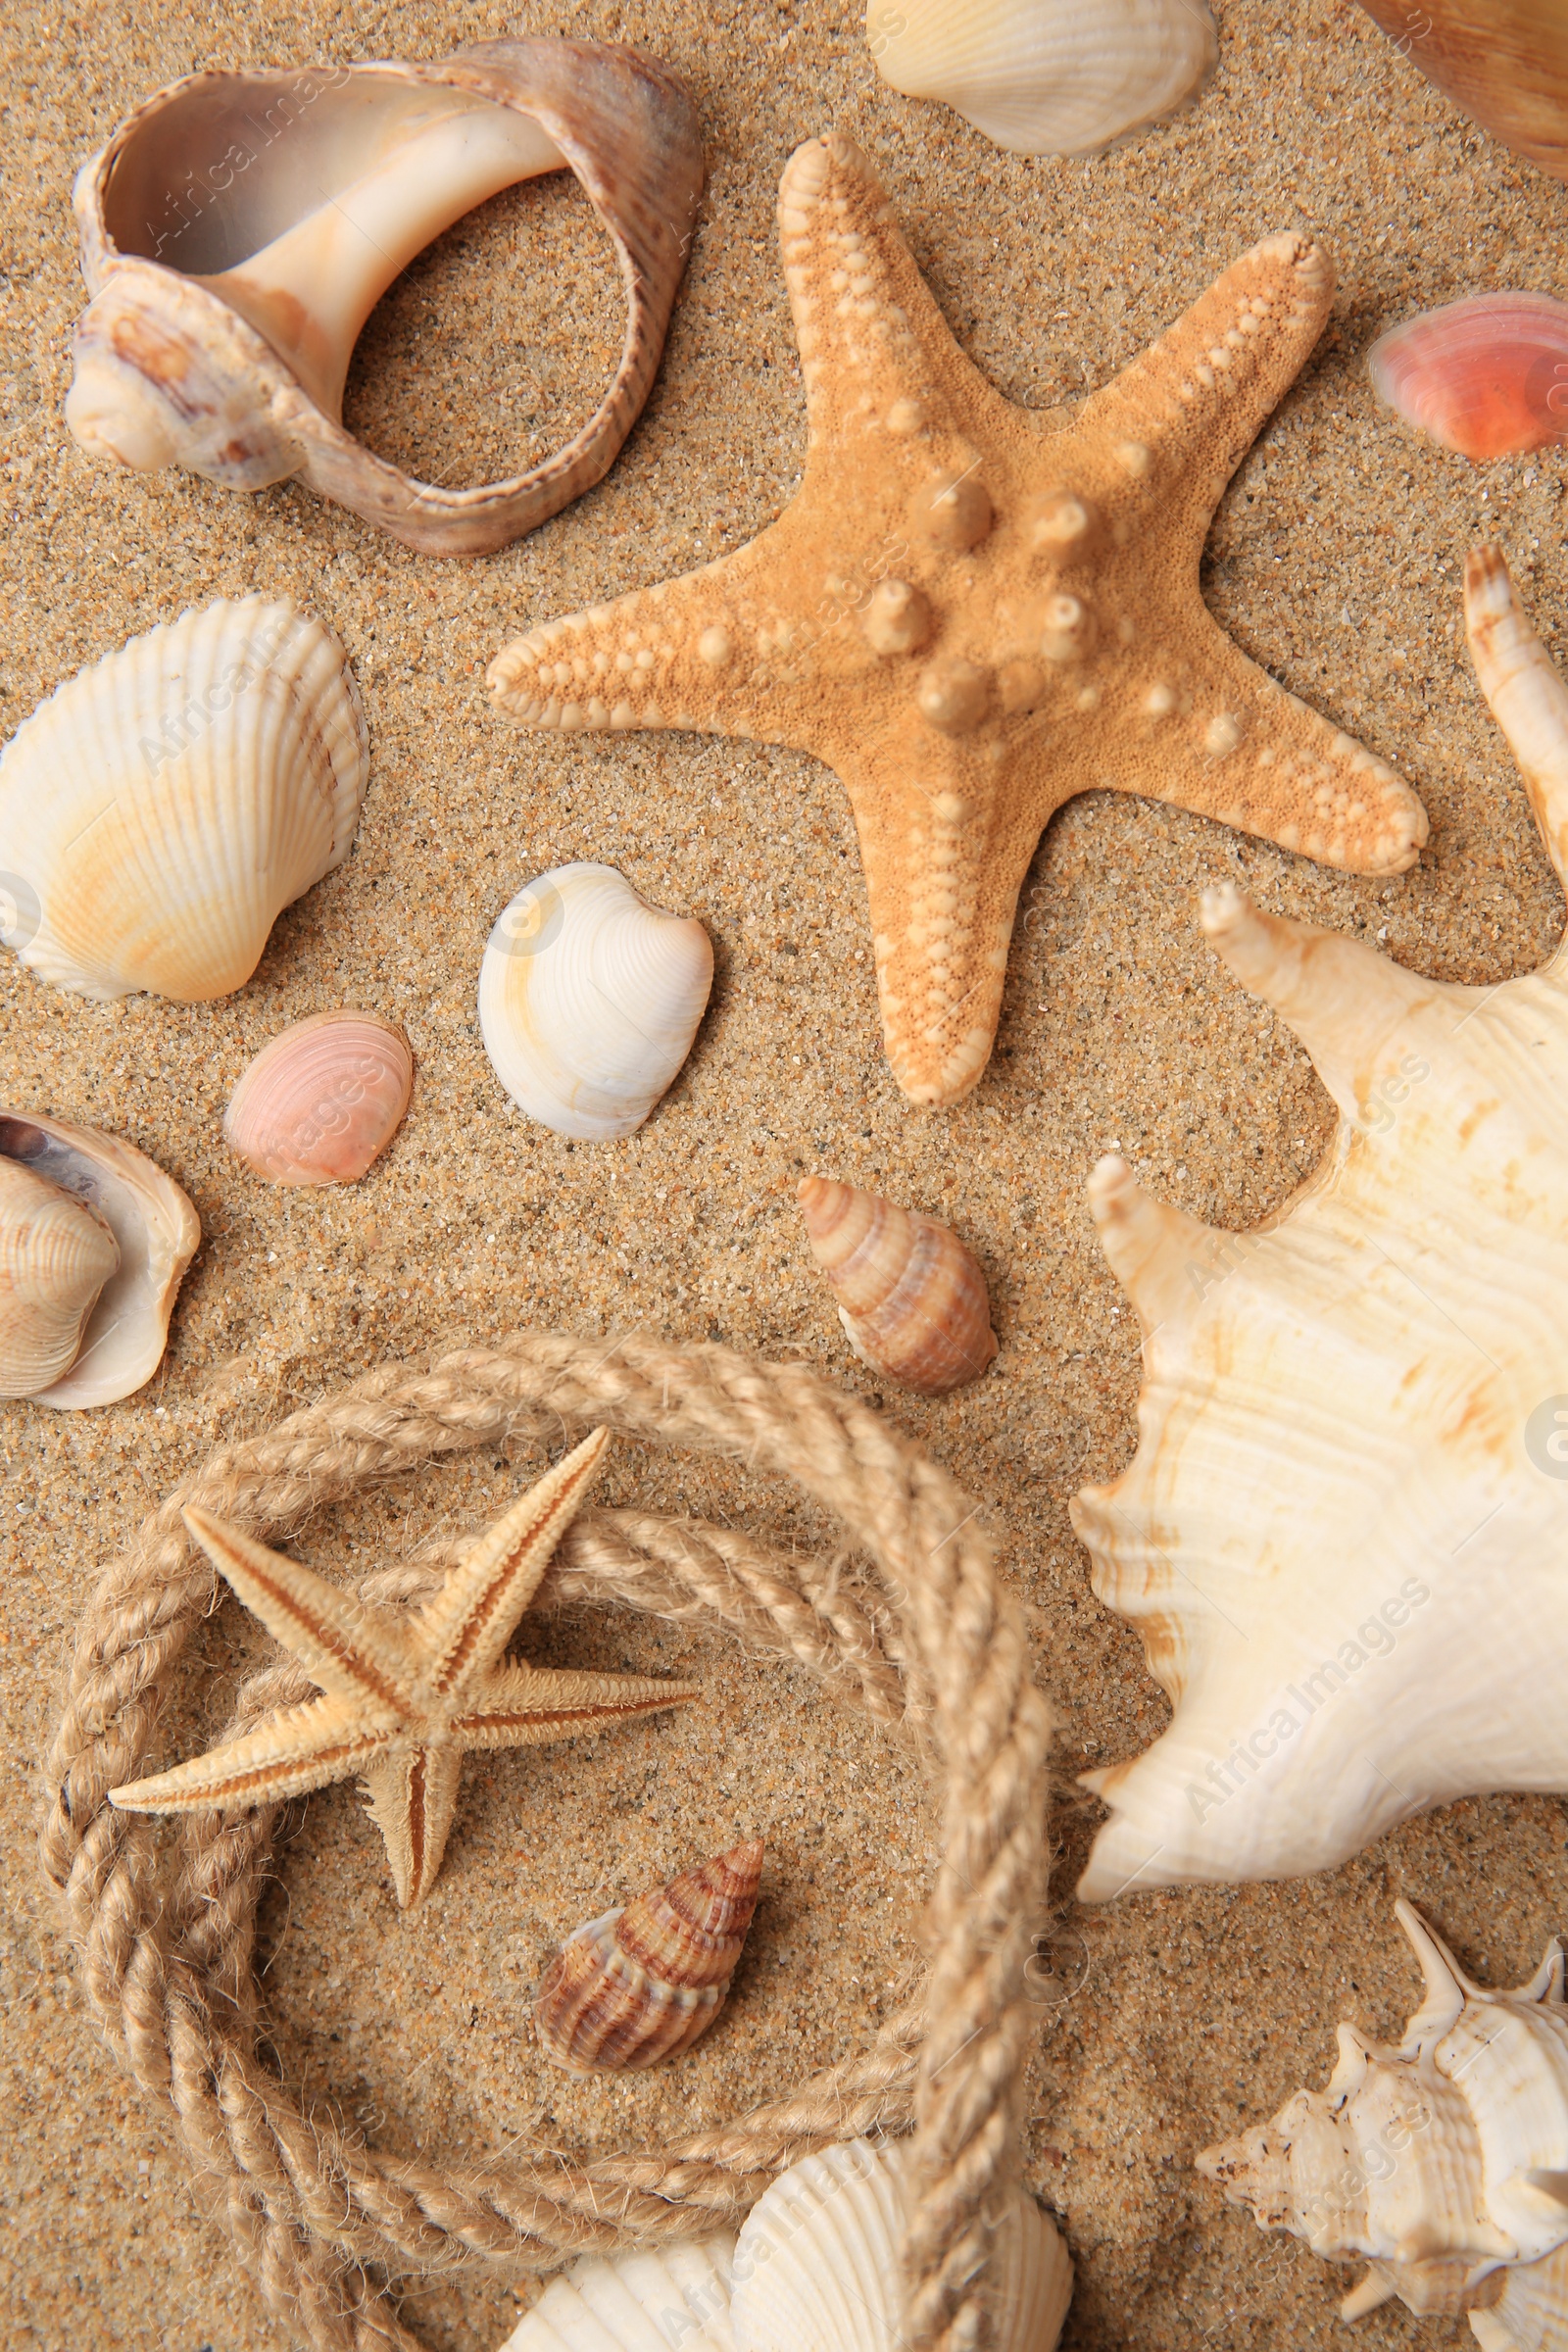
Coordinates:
<point>1442,2163</point>
<point>589,1000</point>
<point>153,1233</point>
<point>814,2270</point>
<point>239,228</point>
<point>1341,1536</point>
<point>160,810</point>
<point>1047,77</point>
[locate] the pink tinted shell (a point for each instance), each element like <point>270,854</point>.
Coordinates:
<point>323,1100</point>
<point>1487,376</point>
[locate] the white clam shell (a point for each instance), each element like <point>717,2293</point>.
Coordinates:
<point>55,1253</point>
<point>155,1232</point>
<point>1047,77</point>
<point>1443,2161</point>
<point>160,811</point>
<point>322,1100</point>
<point>814,2269</point>
<point>589,1000</point>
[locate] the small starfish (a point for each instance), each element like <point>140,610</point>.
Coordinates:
<point>403,1694</point>
<point>972,612</point>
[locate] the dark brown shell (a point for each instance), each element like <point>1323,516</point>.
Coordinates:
<point>641,1984</point>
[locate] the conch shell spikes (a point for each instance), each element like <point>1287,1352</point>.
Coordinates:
<point>1339,1536</point>
<point>238,229</point>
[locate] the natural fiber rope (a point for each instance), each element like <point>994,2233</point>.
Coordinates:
<point>924,1636</point>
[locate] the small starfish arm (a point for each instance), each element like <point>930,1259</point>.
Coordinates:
<point>413,1799</point>
<point>460,1634</point>
<point>533,1707</point>
<point>293,1752</point>
<point>354,1652</point>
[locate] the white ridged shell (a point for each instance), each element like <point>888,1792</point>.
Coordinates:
<point>814,2269</point>
<point>162,807</point>
<point>155,1229</point>
<point>589,1000</point>
<point>1047,77</point>
<point>1441,2162</point>
<point>55,1253</point>
<point>322,1100</point>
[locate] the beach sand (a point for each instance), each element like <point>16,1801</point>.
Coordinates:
<point>1335,561</point>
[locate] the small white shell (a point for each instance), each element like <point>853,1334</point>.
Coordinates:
<point>1047,77</point>
<point>55,1253</point>
<point>589,1000</point>
<point>814,2270</point>
<point>155,1229</point>
<point>323,1100</point>
<point>160,811</point>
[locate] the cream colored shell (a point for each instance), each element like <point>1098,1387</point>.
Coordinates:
<point>1047,77</point>
<point>155,1234</point>
<point>814,2269</point>
<point>1341,1535</point>
<point>164,807</point>
<point>589,1000</point>
<point>1442,2163</point>
<point>55,1253</point>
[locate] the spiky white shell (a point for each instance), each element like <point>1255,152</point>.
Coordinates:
<point>1442,2163</point>
<point>155,1232</point>
<point>162,807</point>
<point>589,1000</point>
<point>814,2269</point>
<point>1047,77</point>
<point>1342,1533</point>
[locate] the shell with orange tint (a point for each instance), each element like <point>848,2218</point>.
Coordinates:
<point>911,1298</point>
<point>641,1984</point>
<point>322,1100</point>
<point>1487,376</point>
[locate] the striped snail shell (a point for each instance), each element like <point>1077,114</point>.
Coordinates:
<point>911,1298</point>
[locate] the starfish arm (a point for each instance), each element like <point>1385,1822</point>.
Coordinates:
<point>459,1634</point>
<point>530,1706</point>
<point>355,1652</point>
<point>1182,416</point>
<point>1233,746</point>
<point>414,1795</point>
<point>295,1751</point>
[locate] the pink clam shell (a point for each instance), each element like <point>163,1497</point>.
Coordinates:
<point>323,1100</point>
<point>1487,376</point>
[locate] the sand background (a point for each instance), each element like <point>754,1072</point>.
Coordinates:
<point>1334,560</point>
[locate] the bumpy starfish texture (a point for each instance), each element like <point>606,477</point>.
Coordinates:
<point>403,1694</point>
<point>971,614</point>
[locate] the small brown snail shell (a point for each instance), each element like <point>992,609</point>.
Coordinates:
<point>641,1984</point>
<point>910,1296</point>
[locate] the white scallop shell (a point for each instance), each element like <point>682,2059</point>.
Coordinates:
<point>156,1231</point>
<point>814,2270</point>
<point>1047,77</point>
<point>160,810</point>
<point>55,1253</point>
<point>589,1000</point>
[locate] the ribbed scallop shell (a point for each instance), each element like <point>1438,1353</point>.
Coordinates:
<point>1487,376</point>
<point>55,1253</point>
<point>155,1233</point>
<point>814,2270</point>
<point>1442,2163</point>
<point>1047,77</point>
<point>911,1298</point>
<point>589,1000</point>
<point>164,805</point>
<point>322,1100</point>
<point>641,1984</point>
<point>1505,61</point>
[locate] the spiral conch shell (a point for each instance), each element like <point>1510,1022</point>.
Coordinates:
<point>1047,77</point>
<point>238,230</point>
<point>322,1100</point>
<point>163,807</point>
<point>814,2269</point>
<point>1342,1533</point>
<point>1442,2163</point>
<point>912,1299</point>
<point>589,1000</point>
<point>94,1241</point>
<point>1487,376</point>
<point>642,1982</point>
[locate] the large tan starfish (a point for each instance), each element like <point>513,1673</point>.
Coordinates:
<point>403,1694</point>
<point>972,612</point>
